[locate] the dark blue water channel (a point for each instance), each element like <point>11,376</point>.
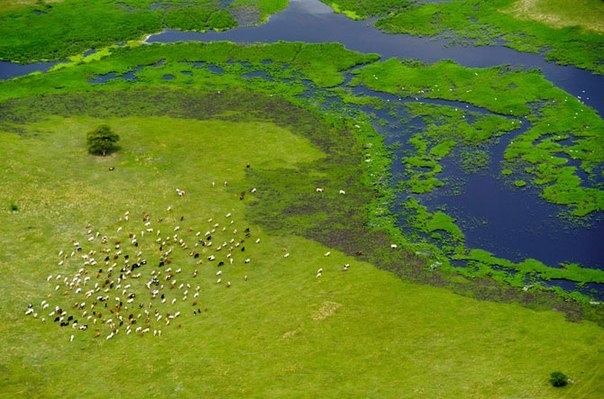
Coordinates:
<point>509,222</point>
<point>10,70</point>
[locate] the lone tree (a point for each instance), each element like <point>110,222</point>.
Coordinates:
<point>558,379</point>
<point>101,140</point>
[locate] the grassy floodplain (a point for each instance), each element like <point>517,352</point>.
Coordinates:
<point>190,115</point>
<point>531,26</point>
<point>281,331</point>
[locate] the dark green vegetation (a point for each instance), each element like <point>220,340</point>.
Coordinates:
<point>57,30</point>
<point>477,22</point>
<point>558,379</point>
<point>101,140</point>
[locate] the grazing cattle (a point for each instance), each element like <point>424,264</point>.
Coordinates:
<point>342,192</point>
<point>319,189</point>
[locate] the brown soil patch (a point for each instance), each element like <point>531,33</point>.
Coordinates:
<point>327,309</point>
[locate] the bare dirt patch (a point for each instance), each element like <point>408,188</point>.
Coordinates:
<point>327,309</point>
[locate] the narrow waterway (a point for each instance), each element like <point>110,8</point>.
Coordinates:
<point>9,70</point>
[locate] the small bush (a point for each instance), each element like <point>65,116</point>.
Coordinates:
<point>558,379</point>
<point>14,207</point>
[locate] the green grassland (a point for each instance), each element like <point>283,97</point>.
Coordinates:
<point>532,26</point>
<point>360,9</point>
<point>280,331</point>
<point>281,328</point>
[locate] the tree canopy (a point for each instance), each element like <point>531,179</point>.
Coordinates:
<point>101,140</point>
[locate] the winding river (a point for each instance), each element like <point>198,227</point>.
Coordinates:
<point>511,223</point>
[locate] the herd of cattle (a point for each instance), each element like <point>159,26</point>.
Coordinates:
<point>140,278</point>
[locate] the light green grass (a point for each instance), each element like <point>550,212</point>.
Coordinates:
<point>360,9</point>
<point>588,14</point>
